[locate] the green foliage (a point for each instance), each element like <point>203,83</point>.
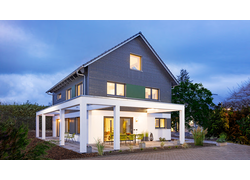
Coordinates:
<point>185,145</point>
<point>169,147</point>
<point>218,122</point>
<point>155,148</point>
<point>199,136</point>
<point>142,149</point>
<point>162,144</point>
<point>146,134</point>
<point>197,100</point>
<point>23,113</point>
<point>162,139</point>
<point>100,147</point>
<point>14,143</point>
<point>222,138</point>
<point>120,150</point>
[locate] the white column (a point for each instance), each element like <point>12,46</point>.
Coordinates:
<point>37,126</point>
<point>43,126</point>
<point>54,126</point>
<point>62,127</point>
<point>116,127</point>
<point>83,127</point>
<point>182,126</point>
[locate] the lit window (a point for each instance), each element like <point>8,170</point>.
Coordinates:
<point>115,89</point>
<point>59,96</point>
<point>135,62</point>
<point>68,94</point>
<point>111,88</point>
<point>79,88</point>
<point>151,93</point>
<point>154,93</point>
<point>120,89</point>
<point>160,123</point>
<point>147,93</point>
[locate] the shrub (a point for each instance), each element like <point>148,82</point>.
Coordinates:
<point>185,145</point>
<point>146,134</point>
<point>100,147</point>
<point>131,147</point>
<point>162,144</point>
<point>14,143</point>
<point>154,148</point>
<point>162,139</point>
<point>199,136</point>
<point>222,138</point>
<point>141,149</point>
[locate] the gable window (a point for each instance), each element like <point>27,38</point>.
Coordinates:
<point>79,89</point>
<point>160,123</point>
<point>151,93</point>
<point>135,62</point>
<point>68,94</point>
<point>59,96</point>
<point>115,89</point>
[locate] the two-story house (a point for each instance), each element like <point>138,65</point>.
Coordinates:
<point>127,89</point>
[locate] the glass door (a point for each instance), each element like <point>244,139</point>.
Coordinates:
<point>126,125</point>
<point>108,129</point>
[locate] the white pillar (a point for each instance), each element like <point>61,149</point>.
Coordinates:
<point>43,126</point>
<point>37,126</point>
<point>116,127</point>
<point>83,127</point>
<point>54,126</point>
<point>182,125</point>
<point>62,127</point>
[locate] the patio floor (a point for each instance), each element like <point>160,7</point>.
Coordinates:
<point>75,146</point>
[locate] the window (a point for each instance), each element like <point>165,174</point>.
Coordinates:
<point>151,93</point>
<point>135,62</point>
<point>72,125</point>
<point>115,89</point>
<point>68,94</point>
<point>79,89</point>
<point>160,123</point>
<point>59,96</point>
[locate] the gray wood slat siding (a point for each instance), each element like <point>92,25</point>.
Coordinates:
<point>63,90</point>
<point>116,67</point>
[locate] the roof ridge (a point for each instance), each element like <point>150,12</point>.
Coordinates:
<point>112,48</point>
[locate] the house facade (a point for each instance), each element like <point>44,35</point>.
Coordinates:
<point>125,90</point>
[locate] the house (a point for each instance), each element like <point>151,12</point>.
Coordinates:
<point>127,89</point>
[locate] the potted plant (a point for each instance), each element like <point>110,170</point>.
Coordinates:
<point>89,149</point>
<point>146,138</point>
<point>222,140</point>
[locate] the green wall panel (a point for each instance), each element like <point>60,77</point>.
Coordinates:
<point>135,91</point>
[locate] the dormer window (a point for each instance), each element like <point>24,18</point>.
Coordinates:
<point>135,62</point>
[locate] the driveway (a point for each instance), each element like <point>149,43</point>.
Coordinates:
<point>229,152</point>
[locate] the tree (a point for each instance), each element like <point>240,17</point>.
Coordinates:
<point>197,100</point>
<point>183,77</point>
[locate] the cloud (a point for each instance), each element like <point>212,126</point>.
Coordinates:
<point>16,37</point>
<point>20,88</point>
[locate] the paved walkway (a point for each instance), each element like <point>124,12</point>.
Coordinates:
<point>229,152</point>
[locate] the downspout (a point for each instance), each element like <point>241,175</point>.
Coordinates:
<point>52,97</point>
<point>79,74</point>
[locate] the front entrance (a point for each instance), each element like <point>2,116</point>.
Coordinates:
<point>126,127</point>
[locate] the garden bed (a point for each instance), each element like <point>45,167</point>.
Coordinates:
<point>60,153</point>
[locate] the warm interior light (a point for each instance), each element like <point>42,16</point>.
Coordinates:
<point>136,120</point>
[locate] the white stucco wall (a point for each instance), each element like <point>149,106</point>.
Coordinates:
<point>146,122</point>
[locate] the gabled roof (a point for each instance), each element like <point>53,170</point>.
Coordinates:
<point>73,75</point>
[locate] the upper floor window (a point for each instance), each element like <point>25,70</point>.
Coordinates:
<point>115,89</point>
<point>59,96</point>
<point>151,93</point>
<point>68,94</point>
<point>135,62</point>
<point>79,89</point>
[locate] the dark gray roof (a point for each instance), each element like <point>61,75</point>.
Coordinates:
<point>73,75</point>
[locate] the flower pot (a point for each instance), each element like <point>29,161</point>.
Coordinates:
<point>89,149</point>
<point>142,145</point>
<point>145,139</point>
<point>221,144</point>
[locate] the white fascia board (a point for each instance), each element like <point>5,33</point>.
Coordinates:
<point>95,107</point>
<point>108,101</point>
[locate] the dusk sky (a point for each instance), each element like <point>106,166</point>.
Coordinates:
<point>34,55</point>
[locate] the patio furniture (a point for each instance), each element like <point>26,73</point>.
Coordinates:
<point>131,137</point>
<point>72,137</point>
<point>139,136</point>
<point>66,136</point>
<point>123,137</point>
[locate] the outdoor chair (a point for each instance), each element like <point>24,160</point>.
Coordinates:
<point>139,136</point>
<point>72,137</point>
<point>123,137</point>
<point>66,136</point>
<point>131,137</point>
